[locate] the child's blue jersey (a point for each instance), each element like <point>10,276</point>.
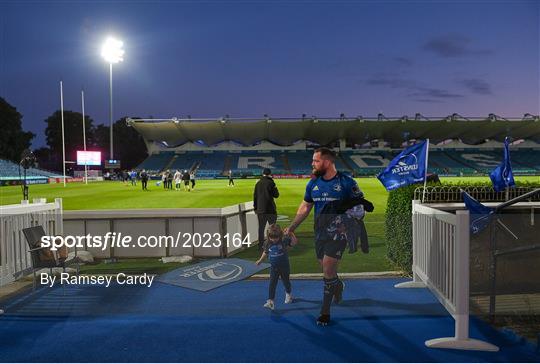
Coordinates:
<point>320,191</point>
<point>277,252</point>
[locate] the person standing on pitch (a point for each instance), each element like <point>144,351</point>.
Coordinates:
<point>144,180</point>
<point>231,180</point>
<point>169,179</point>
<point>263,201</point>
<point>177,179</point>
<point>164,179</point>
<point>192,179</point>
<point>185,178</point>
<point>326,186</point>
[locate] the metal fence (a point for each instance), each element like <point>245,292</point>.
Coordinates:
<point>14,256</point>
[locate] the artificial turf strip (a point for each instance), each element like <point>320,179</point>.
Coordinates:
<point>163,323</point>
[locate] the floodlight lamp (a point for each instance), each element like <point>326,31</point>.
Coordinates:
<point>112,50</point>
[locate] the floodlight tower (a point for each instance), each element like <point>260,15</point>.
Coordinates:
<point>112,52</point>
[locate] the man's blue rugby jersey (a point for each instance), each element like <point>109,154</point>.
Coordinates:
<point>320,191</point>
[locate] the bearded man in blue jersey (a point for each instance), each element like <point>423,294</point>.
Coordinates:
<point>326,186</point>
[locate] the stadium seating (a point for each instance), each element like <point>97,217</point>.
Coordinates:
<point>366,163</point>
<point>10,170</point>
<point>299,162</point>
<point>450,162</point>
<point>156,162</point>
<point>252,163</point>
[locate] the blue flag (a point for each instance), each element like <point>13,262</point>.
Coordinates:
<point>502,176</point>
<point>407,168</point>
<point>480,215</point>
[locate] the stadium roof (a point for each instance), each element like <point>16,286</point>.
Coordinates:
<point>175,132</point>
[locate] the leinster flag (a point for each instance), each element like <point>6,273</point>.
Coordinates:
<point>409,167</point>
<point>480,215</point>
<point>502,176</point>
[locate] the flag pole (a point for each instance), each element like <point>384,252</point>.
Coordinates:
<point>63,139</point>
<point>425,173</point>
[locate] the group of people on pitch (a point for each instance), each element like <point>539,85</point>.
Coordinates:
<point>167,179</point>
<point>339,210</point>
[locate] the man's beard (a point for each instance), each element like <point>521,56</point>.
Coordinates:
<point>318,173</point>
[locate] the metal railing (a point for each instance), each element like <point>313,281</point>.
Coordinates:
<point>15,259</point>
<point>441,263</point>
<point>485,194</point>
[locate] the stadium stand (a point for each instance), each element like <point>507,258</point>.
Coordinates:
<point>156,162</point>
<point>450,162</point>
<point>299,162</point>
<point>10,171</point>
<point>209,164</point>
<point>460,147</point>
<point>252,163</point>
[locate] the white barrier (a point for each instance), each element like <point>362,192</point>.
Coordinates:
<point>441,244</point>
<point>14,257</point>
<point>237,222</point>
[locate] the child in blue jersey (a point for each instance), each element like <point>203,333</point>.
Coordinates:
<point>276,247</point>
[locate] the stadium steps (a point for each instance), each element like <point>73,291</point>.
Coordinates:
<point>168,165</point>
<point>462,162</point>
<point>345,163</point>
<point>226,164</point>
<point>195,166</point>
<point>286,165</point>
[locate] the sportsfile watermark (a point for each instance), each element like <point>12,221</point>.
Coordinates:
<point>120,240</point>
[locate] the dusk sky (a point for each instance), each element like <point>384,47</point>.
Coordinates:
<point>281,58</point>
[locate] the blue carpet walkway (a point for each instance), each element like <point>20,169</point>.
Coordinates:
<point>166,323</point>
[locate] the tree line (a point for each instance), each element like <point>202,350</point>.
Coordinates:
<point>129,146</point>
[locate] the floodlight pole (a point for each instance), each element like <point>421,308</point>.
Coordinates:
<point>112,52</point>
<point>63,139</point>
<point>111,109</point>
<point>84,139</point>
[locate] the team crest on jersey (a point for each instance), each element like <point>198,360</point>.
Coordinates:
<point>337,187</point>
<point>316,188</point>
